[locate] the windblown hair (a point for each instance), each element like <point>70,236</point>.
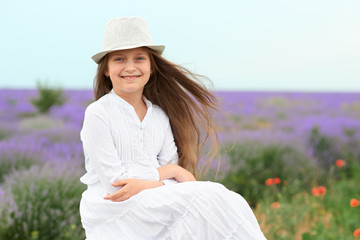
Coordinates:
<point>186,101</point>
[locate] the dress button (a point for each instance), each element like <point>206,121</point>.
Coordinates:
<point>141,140</point>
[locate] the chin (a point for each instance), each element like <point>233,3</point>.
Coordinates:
<point>131,90</point>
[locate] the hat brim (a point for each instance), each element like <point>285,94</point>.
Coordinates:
<point>97,57</point>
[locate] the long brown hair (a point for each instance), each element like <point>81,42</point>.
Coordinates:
<point>186,101</point>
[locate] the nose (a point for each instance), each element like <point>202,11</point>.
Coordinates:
<point>130,66</point>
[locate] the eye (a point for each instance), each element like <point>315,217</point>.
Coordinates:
<point>140,58</point>
<point>119,59</point>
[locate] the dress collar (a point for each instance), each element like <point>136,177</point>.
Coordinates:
<point>124,103</point>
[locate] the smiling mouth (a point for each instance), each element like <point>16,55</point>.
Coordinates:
<point>130,77</point>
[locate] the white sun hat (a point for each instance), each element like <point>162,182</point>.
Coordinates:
<point>126,33</point>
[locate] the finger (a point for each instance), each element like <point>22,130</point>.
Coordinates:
<point>118,194</point>
<point>107,196</point>
<point>112,197</point>
<point>121,195</point>
<point>121,198</point>
<point>119,182</point>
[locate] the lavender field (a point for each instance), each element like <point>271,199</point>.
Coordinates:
<point>295,138</point>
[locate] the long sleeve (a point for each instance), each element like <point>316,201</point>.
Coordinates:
<point>168,153</point>
<point>101,152</point>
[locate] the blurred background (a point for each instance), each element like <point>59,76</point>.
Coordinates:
<point>286,74</point>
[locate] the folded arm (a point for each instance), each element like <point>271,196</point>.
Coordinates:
<point>112,173</point>
<point>132,187</point>
<point>168,158</point>
<point>175,171</point>
<point>102,154</point>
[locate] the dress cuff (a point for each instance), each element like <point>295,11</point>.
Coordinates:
<point>144,173</point>
<point>157,174</point>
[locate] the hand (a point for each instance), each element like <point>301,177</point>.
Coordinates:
<point>130,188</point>
<point>175,171</point>
<point>183,175</point>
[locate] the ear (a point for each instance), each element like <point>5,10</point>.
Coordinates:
<point>106,73</point>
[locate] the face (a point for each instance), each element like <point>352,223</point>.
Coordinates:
<point>129,70</point>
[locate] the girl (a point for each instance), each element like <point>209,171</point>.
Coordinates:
<point>141,140</point>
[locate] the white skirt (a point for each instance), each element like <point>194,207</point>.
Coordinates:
<point>189,210</point>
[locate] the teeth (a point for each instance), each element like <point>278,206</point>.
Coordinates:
<point>130,77</point>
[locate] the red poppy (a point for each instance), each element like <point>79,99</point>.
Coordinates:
<point>269,182</point>
<point>354,202</point>
<point>319,191</point>
<point>340,163</point>
<point>275,205</point>
<point>322,190</point>
<point>315,191</point>
<point>276,181</point>
<point>357,233</point>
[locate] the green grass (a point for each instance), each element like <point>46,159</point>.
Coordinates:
<point>252,163</point>
<point>41,203</point>
<point>308,217</point>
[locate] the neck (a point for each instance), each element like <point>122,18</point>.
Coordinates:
<point>137,102</point>
<point>134,99</point>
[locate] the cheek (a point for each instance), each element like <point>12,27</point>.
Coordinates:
<point>148,67</point>
<point>113,70</point>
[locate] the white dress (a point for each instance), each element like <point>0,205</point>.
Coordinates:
<point>117,145</point>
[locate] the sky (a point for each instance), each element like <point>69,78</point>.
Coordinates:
<point>257,45</point>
